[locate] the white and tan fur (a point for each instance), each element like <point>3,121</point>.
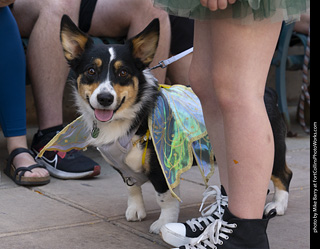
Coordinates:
<point>126,106</point>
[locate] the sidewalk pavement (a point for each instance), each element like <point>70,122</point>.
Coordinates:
<point>70,214</point>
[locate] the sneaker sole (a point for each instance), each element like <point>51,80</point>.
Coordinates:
<point>69,175</point>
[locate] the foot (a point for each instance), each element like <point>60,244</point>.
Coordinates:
<point>26,160</point>
<point>231,232</point>
<point>26,172</point>
<point>177,234</point>
<point>64,165</point>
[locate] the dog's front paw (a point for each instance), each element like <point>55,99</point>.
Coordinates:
<point>169,211</point>
<point>135,213</point>
<point>155,226</point>
<point>135,210</point>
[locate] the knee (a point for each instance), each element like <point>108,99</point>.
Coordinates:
<point>202,87</point>
<point>162,15</point>
<point>219,94</point>
<point>147,9</point>
<point>55,9</point>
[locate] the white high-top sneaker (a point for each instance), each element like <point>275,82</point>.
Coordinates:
<point>178,234</point>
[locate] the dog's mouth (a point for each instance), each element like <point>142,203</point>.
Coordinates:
<point>104,115</point>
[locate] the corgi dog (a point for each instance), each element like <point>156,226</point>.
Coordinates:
<point>115,92</point>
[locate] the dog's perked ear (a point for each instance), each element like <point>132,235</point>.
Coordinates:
<point>73,40</point>
<point>144,45</point>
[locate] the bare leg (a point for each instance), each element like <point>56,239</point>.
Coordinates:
<point>238,59</point>
<point>200,69</point>
<point>110,18</point>
<point>48,70</point>
<point>178,71</point>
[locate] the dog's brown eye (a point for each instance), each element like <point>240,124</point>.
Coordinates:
<point>123,73</point>
<point>91,71</point>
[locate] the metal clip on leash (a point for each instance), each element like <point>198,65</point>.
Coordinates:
<point>167,62</point>
<point>161,64</point>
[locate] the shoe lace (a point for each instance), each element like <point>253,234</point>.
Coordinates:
<point>214,208</point>
<point>221,200</point>
<point>211,236</point>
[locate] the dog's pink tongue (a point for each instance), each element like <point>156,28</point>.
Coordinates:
<point>103,115</point>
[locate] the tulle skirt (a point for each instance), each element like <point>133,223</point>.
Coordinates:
<point>246,11</point>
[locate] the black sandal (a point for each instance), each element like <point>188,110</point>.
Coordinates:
<point>17,175</point>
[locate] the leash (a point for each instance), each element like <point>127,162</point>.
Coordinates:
<point>163,64</point>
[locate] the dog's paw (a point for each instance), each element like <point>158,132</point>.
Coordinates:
<point>135,213</point>
<point>281,209</point>
<point>279,202</point>
<point>155,226</point>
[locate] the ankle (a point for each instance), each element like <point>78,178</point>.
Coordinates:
<point>252,232</point>
<point>50,129</point>
<point>41,133</point>
<point>16,142</point>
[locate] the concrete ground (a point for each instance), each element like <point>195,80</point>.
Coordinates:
<point>90,213</point>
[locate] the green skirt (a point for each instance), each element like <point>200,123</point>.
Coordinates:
<point>245,11</point>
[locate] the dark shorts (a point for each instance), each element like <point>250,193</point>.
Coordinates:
<point>85,15</point>
<point>181,28</point>
<point>181,34</point>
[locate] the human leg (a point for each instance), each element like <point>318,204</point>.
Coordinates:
<point>179,234</point>
<point>40,21</point>
<point>240,59</point>
<point>178,71</point>
<point>48,70</point>
<point>12,85</point>
<point>111,18</point>
<point>12,93</point>
<point>182,32</point>
<point>239,63</point>
<point>199,80</point>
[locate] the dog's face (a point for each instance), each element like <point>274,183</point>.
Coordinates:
<point>109,78</point>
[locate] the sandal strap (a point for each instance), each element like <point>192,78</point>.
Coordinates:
<point>16,152</point>
<point>37,165</point>
<point>23,170</point>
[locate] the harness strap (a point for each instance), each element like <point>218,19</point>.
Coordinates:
<point>145,147</point>
<point>115,154</point>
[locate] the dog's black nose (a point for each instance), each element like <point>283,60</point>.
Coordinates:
<point>105,99</point>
